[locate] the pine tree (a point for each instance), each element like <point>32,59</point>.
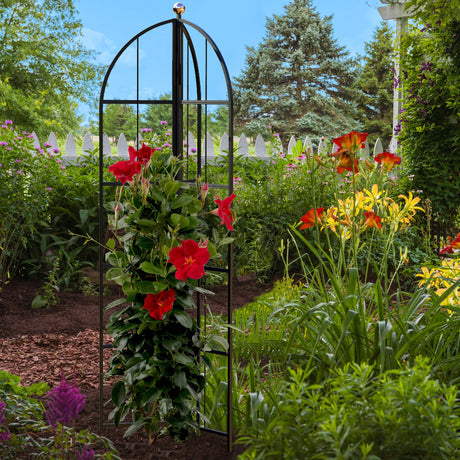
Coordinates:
<point>298,80</point>
<point>376,85</point>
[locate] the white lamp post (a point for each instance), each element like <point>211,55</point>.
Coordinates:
<point>394,9</point>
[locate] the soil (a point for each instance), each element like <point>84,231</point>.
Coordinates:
<point>38,345</point>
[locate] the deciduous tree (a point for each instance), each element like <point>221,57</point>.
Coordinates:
<point>45,70</point>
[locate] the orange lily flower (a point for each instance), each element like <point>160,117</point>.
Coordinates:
<point>387,160</point>
<point>351,142</point>
<point>455,244</point>
<point>372,220</point>
<point>345,164</point>
<point>311,218</point>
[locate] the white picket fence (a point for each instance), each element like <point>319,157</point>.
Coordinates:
<point>71,154</point>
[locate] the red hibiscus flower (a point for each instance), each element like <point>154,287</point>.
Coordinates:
<point>351,142</point>
<point>159,304</point>
<point>224,211</point>
<point>311,218</point>
<point>387,160</point>
<point>189,259</point>
<point>449,249</point>
<point>372,220</point>
<point>124,171</point>
<point>345,164</point>
<point>143,154</point>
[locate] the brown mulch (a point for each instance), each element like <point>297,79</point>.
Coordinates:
<point>38,345</point>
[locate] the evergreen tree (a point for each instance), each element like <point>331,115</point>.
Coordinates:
<point>45,70</point>
<point>375,102</point>
<point>298,79</point>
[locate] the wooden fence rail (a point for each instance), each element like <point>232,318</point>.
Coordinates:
<point>261,150</point>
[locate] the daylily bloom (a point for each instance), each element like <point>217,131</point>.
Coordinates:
<point>311,218</point>
<point>124,171</point>
<point>387,160</point>
<point>449,249</point>
<point>159,304</point>
<point>351,143</point>
<point>224,211</point>
<point>143,154</point>
<point>372,220</point>
<point>189,260</point>
<point>345,164</point>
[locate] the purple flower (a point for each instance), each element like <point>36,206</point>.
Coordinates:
<point>62,167</point>
<point>8,122</point>
<point>423,112</point>
<point>193,150</point>
<point>146,130</point>
<point>276,135</point>
<point>17,161</point>
<point>85,453</point>
<point>65,403</point>
<point>56,150</point>
<point>426,66</point>
<point>4,143</point>
<point>19,172</point>
<point>2,412</point>
<point>5,436</point>
<point>397,82</point>
<point>166,145</point>
<point>163,123</point>
<point>49,189</point>
<point>397,129</point>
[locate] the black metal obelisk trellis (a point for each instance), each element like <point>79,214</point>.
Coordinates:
<point>184,62</point>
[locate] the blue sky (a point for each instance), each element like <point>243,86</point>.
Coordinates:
<point>233,25</point>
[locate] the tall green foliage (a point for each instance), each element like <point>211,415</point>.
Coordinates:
<point>45,70</point>
<point>375,103</point>
<point>430,134</point>
<point>298,80</point>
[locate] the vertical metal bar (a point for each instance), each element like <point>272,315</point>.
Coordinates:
<point>206,112</point>
<point>137,94</point>
<point>177,91</point>
<point>101,266</point>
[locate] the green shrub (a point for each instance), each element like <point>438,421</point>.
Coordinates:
<point>397,415</point>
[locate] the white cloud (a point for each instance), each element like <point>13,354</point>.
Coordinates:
<point>108,49</point>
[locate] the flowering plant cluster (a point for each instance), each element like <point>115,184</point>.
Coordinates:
<point>27,175</point>
<point>367,208</point>
<point>165,238</point>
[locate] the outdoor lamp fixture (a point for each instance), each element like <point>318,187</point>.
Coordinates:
<point>179,8</point>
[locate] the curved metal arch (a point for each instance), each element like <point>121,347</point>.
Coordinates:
<point>179,29</point>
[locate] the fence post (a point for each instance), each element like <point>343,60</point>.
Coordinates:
<point>260,150</point>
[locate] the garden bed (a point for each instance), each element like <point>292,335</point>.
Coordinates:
<point>38,344</point>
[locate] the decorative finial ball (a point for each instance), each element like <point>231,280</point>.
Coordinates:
<point>179,8</point>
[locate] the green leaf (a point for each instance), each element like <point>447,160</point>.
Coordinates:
<point>134,427</point>
<point>225,241</point>
<point>183,318</point>
<point>180,380</point>
<point>150,223</point>
<point>183,200</point>
<point>152,269</point>
<point>171,188</point>
<point>183,359</point>
<point>110,243</point>
<point>119,393</point>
